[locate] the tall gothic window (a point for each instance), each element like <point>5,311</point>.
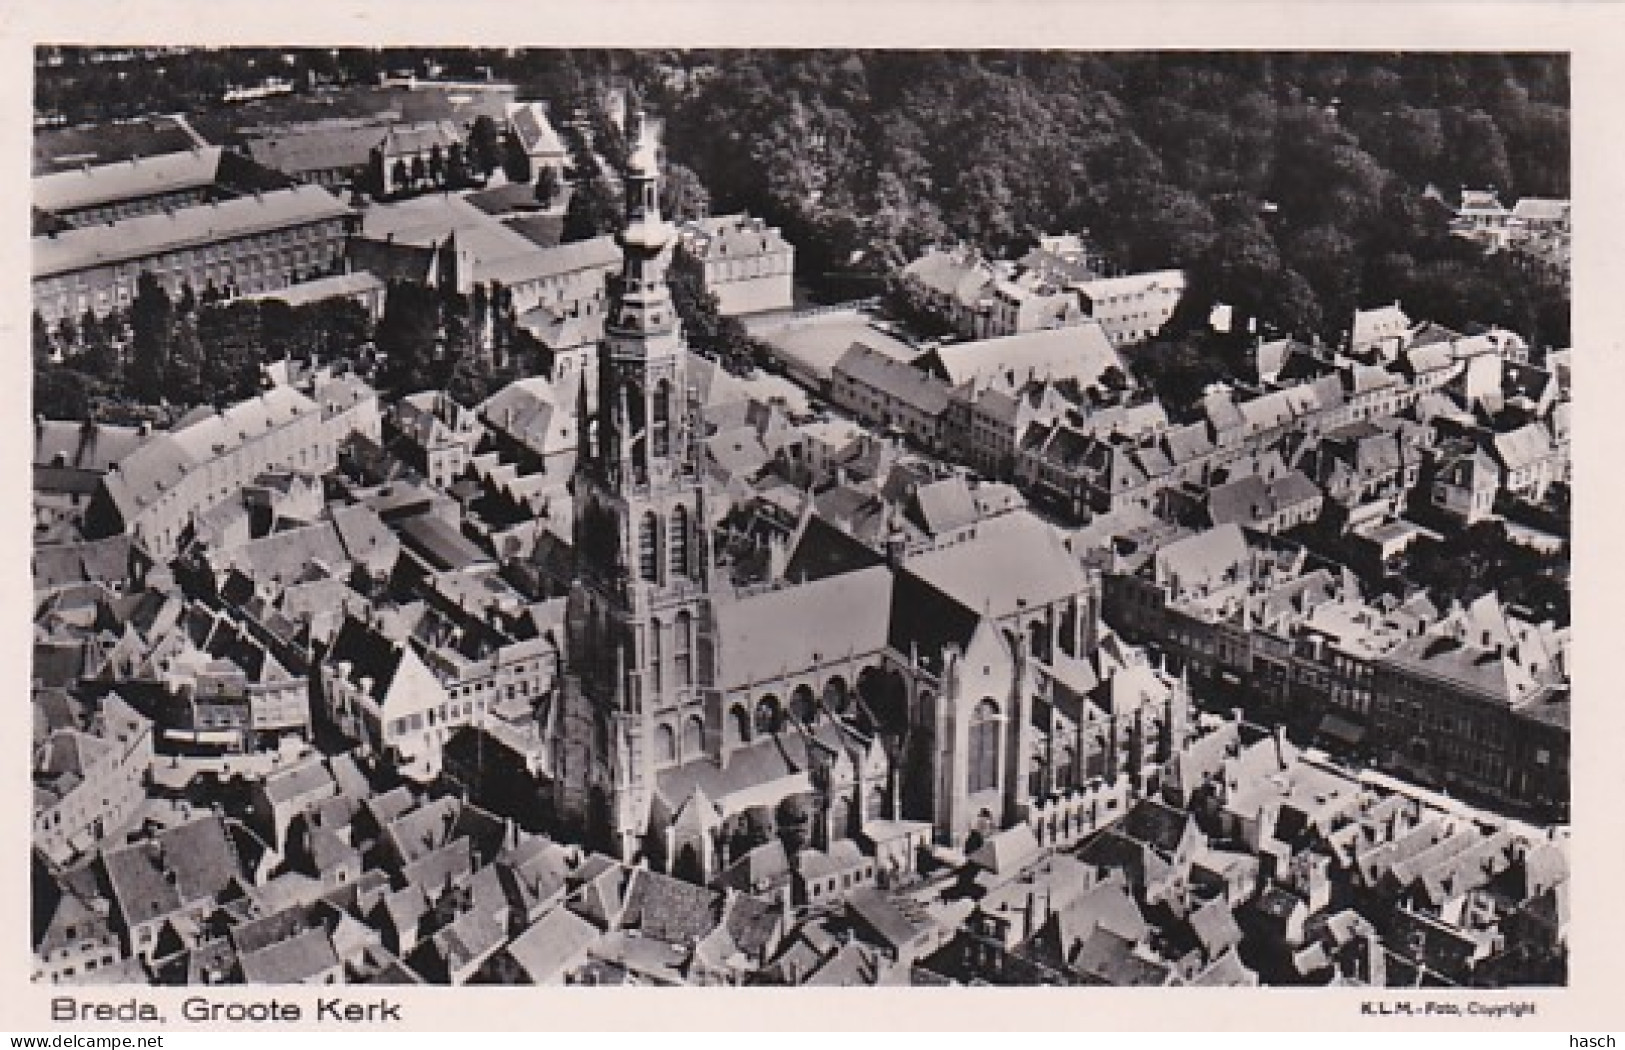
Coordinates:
<point>665,743</point>
<point>984,746</point>
<point>649,548</point>
<point>680,567</point>
<point>655,657</point>
<point>662,418</point>
<point>693,737</point>
<point>683,649</point>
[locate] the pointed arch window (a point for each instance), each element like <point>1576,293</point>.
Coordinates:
<point>680,567</point>
<point>983,764</point>
<point>649,548</point>
<point>683,649</point>
<point>693,737</point>
<point>656,656</point>
<point>662,418</point>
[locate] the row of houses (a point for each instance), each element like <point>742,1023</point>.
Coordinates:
<point>1475,698</point>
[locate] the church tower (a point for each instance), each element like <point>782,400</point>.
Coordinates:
<point>638,610</point>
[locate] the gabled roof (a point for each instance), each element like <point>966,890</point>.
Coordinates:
<point>1150,282</point>
<point>925,619</point>
<point>1364,379</point>
<point>470,939</point>
<point>1215,927</point>
<point>1249,500</point>
<point>419,137</point>
<point>593,254</point>
<point>92,561</point>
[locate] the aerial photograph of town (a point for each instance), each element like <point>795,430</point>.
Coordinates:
<point>837,518</point>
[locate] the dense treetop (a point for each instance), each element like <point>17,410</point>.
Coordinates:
<point>1291,186</point>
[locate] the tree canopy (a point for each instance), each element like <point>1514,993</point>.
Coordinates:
<point>1290,185</point>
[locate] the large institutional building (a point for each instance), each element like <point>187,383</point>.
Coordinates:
<point>951,692</point>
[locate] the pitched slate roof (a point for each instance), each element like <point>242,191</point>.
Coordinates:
<point>300,958</point>
<point>551,945</point>
<point>1202,560</point>
<point>757,637</point>
<point>912,386</point>
<point>1524,447</point>
<point>1006,852</point>
<point>147,235</point>
<point>86,445</point>
<point>945,505</point>
<point>535,132</point>
<point>535,412</point>
<point>752,924</point>
<point>470,939</point>
<point>1082,352</point>
<point>731,237</point>
<point>1012,560</point>
<point>306,150</point>
<point>946,271</point>
<point>1157,825</point>
<point>184,865</point>
<point>79,188</point>
<point>926,619</point>
<point>670,909</point>
<point>594,253</point>
<point>369,653</point>
<point>1383,322</point>
<point>885,918</point>
<point>1107,906</point>
<point>419,137</point>
<point>1250,499</point>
